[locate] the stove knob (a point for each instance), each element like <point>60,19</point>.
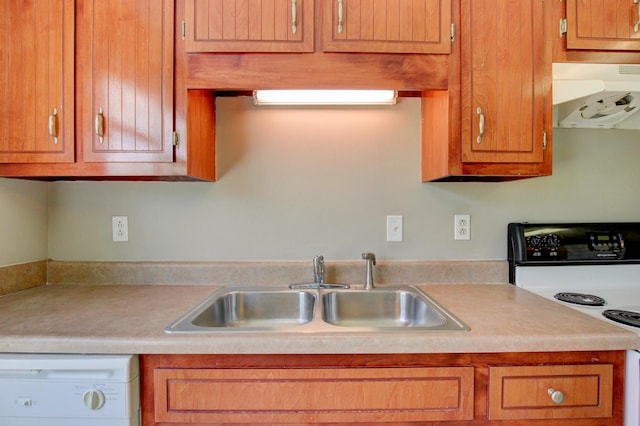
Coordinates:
<point>553,240</point>
<point>535,241</point>
<point>93,399</point>
<point>556,396</point>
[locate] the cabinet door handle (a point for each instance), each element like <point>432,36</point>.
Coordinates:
<point>636,27</point>
<point>556,396</point>
<point>53,125</point>
<point>340,17</point>
<point>294,16</point>
<point>480,124</point>
<point>99,125</point>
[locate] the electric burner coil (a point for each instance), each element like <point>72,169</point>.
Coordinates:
<point>581,299</point>
<point>623,317</point>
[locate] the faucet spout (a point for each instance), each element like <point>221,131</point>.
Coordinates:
<point>370,260</point>
<point>318,270</point>
<point>319,278</point>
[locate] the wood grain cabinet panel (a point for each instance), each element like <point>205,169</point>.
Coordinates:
<point>503,68</point>
<point>126,83</point>
<point>309,395</point>
<point>249,25</point>
<point>603,24</point>
<point>36,81</point>
<point>390,26</point>
<point>496,123</point>
<point>525,392</point>
<point>392,389</point>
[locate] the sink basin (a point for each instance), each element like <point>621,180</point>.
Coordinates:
<point>251,309</point>
<point>246,309</point>
<point>387,308</point>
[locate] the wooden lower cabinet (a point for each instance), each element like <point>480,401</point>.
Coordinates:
<point>394,389</point>
<point>313,395</point>
<point>550,392</point>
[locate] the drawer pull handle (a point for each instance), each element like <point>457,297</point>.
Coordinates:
<point>480,125</point>
<point>556,396</point>
<point>53,126</point>
<point>636,27</point>
<point>294,16</point>
<point>340,16</point>
<point>99,125</point>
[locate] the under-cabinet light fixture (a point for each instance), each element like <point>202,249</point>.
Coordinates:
<point>324,97</point>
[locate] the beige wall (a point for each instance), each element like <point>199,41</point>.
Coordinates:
<point>294,183</point>
<point>23,221</point>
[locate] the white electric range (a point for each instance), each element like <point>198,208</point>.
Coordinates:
<point>591,267</point>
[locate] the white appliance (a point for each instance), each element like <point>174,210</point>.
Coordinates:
<point>591,267</point>
<point>596,95</point>
<point>69,390</point>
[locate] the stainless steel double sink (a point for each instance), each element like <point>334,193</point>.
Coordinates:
<point>251,309</point>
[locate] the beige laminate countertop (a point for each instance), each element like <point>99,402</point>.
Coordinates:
<point>131,319</point>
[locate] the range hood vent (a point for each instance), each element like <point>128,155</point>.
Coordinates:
<point>629,69</point>
<point>601,96</point>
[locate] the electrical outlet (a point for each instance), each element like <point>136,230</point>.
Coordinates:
<point>394,228</point>
<point>120,228</point>
<point>462,227</point>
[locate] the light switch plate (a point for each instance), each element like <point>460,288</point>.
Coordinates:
<point>394,228</point>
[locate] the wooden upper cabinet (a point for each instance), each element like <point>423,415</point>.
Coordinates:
<point>603,24</point>
<point>249,25</point>
<point>125,80</point>
<point>36,81</point>
<point>503,72</point>
<point>387,26</point>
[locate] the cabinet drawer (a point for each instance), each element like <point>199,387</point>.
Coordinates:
<point>309,395</point>
<point>526,392</point>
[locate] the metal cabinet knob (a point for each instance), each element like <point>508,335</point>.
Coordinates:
<point>556,396</point>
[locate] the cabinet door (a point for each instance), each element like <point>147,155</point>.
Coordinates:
<point>387,26</point>
<point>125,102</point>
<point>550,392</point>
<point>36,80</point>
<point>312,395</point>
<point>503,79</point>
<point>249,25</point>
<point>603,24</point>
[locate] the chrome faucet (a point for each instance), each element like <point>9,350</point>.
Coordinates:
<point>370,260</point>
<point>318,270</point>
<point>319,277</point>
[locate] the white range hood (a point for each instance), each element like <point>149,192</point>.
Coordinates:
<point>598,96</point>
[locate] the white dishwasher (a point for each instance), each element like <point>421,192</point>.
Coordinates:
<point>69,390</point>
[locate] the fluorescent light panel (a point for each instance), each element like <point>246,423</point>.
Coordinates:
<point>324,97</point>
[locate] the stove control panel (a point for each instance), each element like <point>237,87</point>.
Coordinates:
<point>606,243</point>
<point>558,244</point>
<point>544,246</point>
<point>574,242</point>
